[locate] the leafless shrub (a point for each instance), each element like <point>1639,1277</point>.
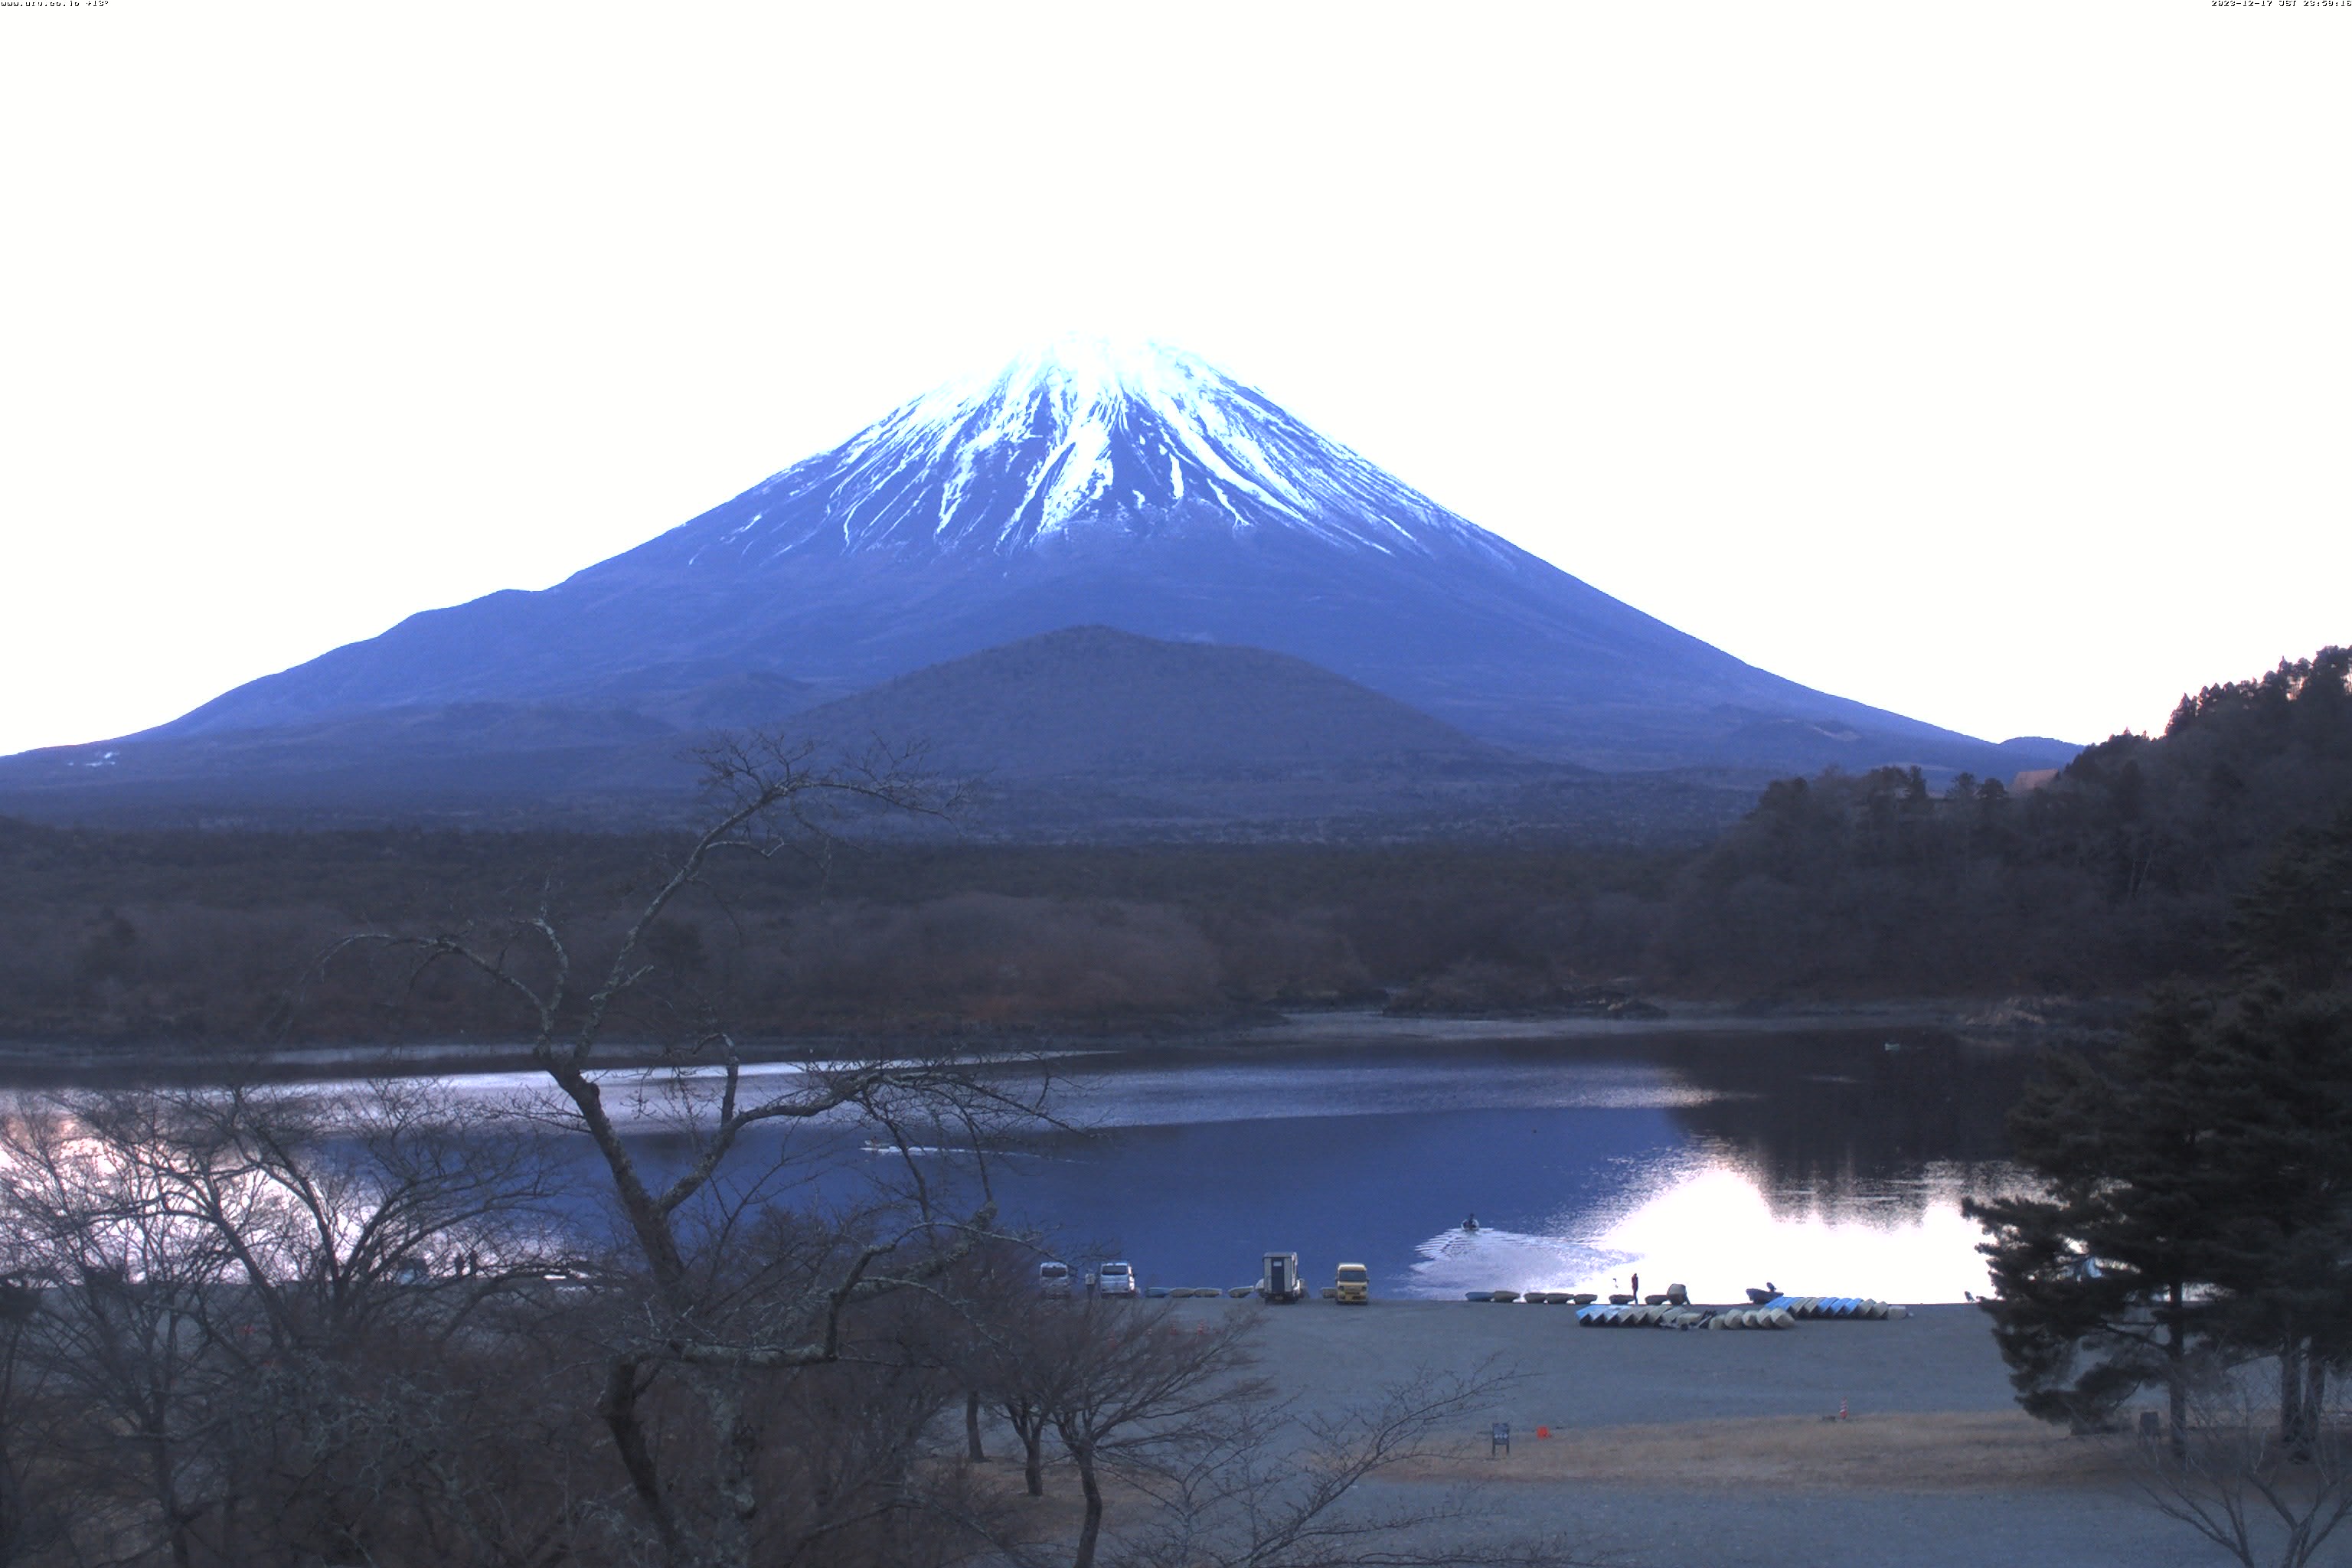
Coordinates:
<point>1278,1485</point>
<point>2229,1476</point>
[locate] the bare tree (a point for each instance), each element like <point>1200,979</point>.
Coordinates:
<point>369,1230</point>
<point>999,1343</point>
<point>343,1209</point>
<point>129,1292</point>
<point>1125,1387</point>
<point>32,1424</point>
<point>717,1297</point>
<point>1021,1372</point>
<point>274,1295</point>
<point>2230,1476</point>
<point>1278,1486</point>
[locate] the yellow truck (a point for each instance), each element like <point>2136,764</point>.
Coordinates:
<point>1354,1285</point>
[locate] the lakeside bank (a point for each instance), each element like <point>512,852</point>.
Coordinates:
<point>83,1064</point>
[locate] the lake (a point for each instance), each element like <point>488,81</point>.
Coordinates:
<point>1825,1162</point>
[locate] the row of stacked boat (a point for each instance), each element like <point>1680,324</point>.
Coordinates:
<point>1669,1317</point>
<point>1780,1312</point>
<point>1836,1307</point>
<point>1674,1310</point>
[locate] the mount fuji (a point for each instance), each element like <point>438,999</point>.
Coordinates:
<point>1135,488</point>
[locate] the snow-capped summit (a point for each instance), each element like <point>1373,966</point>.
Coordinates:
<point>1079,433</point>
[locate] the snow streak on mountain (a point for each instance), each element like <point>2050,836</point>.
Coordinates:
<point>1083,434</point>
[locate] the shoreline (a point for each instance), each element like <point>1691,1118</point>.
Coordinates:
<point>34,1065</point>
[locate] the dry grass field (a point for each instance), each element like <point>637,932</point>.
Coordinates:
<point>1955,1451</point>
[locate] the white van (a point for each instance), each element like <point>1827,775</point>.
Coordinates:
<point>1052,1279</point>
<point>1116,1278</point>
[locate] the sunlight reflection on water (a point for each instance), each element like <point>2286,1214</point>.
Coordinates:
<point>1826,1164</point>
<point>1705,1223</point>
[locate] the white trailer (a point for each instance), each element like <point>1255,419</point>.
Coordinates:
<point>1281,1280</point>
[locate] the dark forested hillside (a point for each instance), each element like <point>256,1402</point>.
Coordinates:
<point>2119,871</point>
<point>2115,873</point>
<point>200,937</point>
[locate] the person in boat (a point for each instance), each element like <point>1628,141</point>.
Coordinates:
<point>1470,1223</point>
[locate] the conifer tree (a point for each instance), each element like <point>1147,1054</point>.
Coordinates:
<point>2097,1280</point>
<point>2277,1071</point>
<point>2198,1179</point>
<point>2292,927</point>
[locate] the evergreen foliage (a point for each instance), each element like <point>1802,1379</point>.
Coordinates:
<point>2119,874</point>
<point>2097,1278</point>
<point>2198,1180</point>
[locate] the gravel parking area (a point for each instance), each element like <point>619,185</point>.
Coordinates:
<point>1708,1447</point>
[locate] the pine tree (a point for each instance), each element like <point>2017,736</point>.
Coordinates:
<point>2293,926</point>
<point>2277,1071</point>
<point>2198,1179</point>
<point>2098,1280</point>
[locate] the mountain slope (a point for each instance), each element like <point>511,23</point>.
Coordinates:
<point>1090,700</point>
<point>1140,490</point>
<point>1084,733</point>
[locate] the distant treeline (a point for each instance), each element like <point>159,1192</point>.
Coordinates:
<point>2118,872</point>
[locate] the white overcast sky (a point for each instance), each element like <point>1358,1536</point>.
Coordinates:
<point>1991,363</point>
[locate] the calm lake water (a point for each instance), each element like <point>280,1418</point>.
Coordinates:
<point>1824,1162</point>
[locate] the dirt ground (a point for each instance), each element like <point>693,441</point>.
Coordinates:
<point>1710,1448</point>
